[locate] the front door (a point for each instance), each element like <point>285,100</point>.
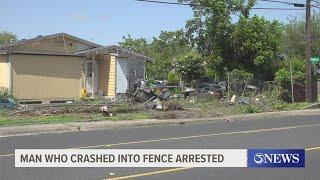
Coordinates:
<point>122,74</point>
<point>92,72</point>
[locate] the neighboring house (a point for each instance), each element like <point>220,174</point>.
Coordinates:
<point>59,66</point>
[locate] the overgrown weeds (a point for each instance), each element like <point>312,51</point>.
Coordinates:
<point>5,94</point>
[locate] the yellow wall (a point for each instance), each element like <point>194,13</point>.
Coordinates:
<point>46,77</point>
<point>111,84</point>
<point>4,72</point>
<point>103,73</point>
<point>55,44</point>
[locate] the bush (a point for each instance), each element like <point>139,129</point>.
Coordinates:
<point>248,109</point>
<point>4,93</point>
<point>190,66</point>
<point>173,78</point>
<point>283,79</point>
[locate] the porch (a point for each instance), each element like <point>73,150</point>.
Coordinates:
<point>112,70</point>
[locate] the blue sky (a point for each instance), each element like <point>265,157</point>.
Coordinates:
<point>104,21</point>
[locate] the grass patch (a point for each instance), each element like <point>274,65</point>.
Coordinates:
<point>26,120</point>
<point>129,116</point>
<point>66,118</point>
<point>295,106</point>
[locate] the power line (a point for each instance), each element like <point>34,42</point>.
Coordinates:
<point>294,4</point>
<point>165,2</point>
<point>275,1</point>
<point>280,9</point>
<point>256,8</point>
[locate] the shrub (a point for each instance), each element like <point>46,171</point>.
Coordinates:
<point>4,93</point>
<point>283,79</point>
<point>173,78</point>
<point>248,109</point>
<point>190,66</point>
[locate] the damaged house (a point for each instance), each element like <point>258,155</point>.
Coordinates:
<point>61,66</point>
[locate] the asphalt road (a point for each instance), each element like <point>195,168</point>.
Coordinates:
<point>271,132</point>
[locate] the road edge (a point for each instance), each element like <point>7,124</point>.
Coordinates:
<point>101,125</point>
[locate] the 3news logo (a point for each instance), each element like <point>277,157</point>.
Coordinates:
<point>273,158</point>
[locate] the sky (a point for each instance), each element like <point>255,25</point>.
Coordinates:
<point>105,21</point>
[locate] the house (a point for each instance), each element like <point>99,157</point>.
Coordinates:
<point>61,66</point>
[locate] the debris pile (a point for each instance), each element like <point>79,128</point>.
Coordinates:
<point>156,99</point>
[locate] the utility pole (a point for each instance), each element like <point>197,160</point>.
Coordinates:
<point>309,89</point>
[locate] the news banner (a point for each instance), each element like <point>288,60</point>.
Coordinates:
<point>251,158</point>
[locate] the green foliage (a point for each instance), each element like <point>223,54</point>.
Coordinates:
<point>178,91</point>
<point>248,109</point>
<point>251,44</point>
<point>7,37</point>
<point>4,93</point>
<point>254,46</point>
<point>298,71</point>
<point>190,66</point>
<point>162,49</point>
<point>294,36</point>
<point>139,45</point>
<point>238,80</point>
<point>283,76</point>
<point>173,78</point>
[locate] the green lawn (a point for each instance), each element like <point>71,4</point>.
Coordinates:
<point>6,120</point>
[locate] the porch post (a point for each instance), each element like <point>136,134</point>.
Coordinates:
<point>10,80</point>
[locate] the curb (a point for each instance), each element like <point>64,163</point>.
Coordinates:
<point>100,125</point>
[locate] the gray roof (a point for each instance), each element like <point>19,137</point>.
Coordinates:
<point>114,49</point>
<point>97,48</point>
<point>4,46</point>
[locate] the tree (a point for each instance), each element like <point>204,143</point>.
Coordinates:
<point>251,44</point>
<point>162,49</point>
<point>294,43</point>
<point>7,37</point>
<point>165,48</point>
<point>254,45</point>
<point>139,45</point>
<point>211,21</point>
<point>190,66</point>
